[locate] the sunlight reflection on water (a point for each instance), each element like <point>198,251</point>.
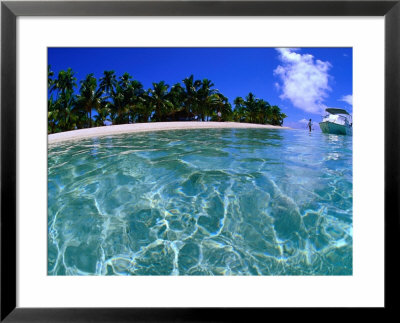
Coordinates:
<point>201,202</point>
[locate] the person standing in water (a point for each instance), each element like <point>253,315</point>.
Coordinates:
<point>309,125</point>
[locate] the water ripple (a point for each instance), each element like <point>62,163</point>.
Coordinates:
<point>201,202</point>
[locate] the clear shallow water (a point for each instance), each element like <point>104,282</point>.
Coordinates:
<point>201,202</point>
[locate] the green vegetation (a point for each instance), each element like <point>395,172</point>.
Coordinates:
<point>124,100</point>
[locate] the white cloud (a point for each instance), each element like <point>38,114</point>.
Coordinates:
<point>303,121</point>
<point>348,99</point>
<point>304,80</point>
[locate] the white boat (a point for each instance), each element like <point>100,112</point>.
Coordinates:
<point>338,122</point>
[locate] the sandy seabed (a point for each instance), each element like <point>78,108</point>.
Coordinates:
<point>150,126</point>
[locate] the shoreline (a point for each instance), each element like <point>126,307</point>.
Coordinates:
<point>151,126</point>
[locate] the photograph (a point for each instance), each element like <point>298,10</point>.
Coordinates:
<point>200,161</point>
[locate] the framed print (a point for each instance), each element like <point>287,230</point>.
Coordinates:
<point>176,160</point>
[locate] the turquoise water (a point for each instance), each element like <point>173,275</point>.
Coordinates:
<point>201,202</point>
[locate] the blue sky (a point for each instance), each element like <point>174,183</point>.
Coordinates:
<point>301,81</point>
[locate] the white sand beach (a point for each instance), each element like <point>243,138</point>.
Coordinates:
<point>150,126</point>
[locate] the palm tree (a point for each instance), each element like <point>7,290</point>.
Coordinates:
<point>143,108</point>
<point>251,107</point>
<point>264,111</point>
<point>65,82</point>
<point>206,99</point>
<point>276,116</point>
<point>125,80</point>
<point>159,101</point>
<point>108,82</point>
<point>283,116</point>
<point>225,108</point>
<point>69,118</point>
<point>176,96</point>
<point>102,115</point>
<point>52,114</point>
<point>255,110</point>
<point>64,86</point>
<point>218,103</point>
<point>116,105</point>
<point>52,106</point>
<point>239,113</point>
<point>121,100</point>
<point>90,97</point>
<point>50,74</point>
<point>135,100</point>
<point>190,99</point>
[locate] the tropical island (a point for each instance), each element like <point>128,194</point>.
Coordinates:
<point>123,100</point>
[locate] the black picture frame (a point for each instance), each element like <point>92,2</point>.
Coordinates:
<point>10,10</point>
